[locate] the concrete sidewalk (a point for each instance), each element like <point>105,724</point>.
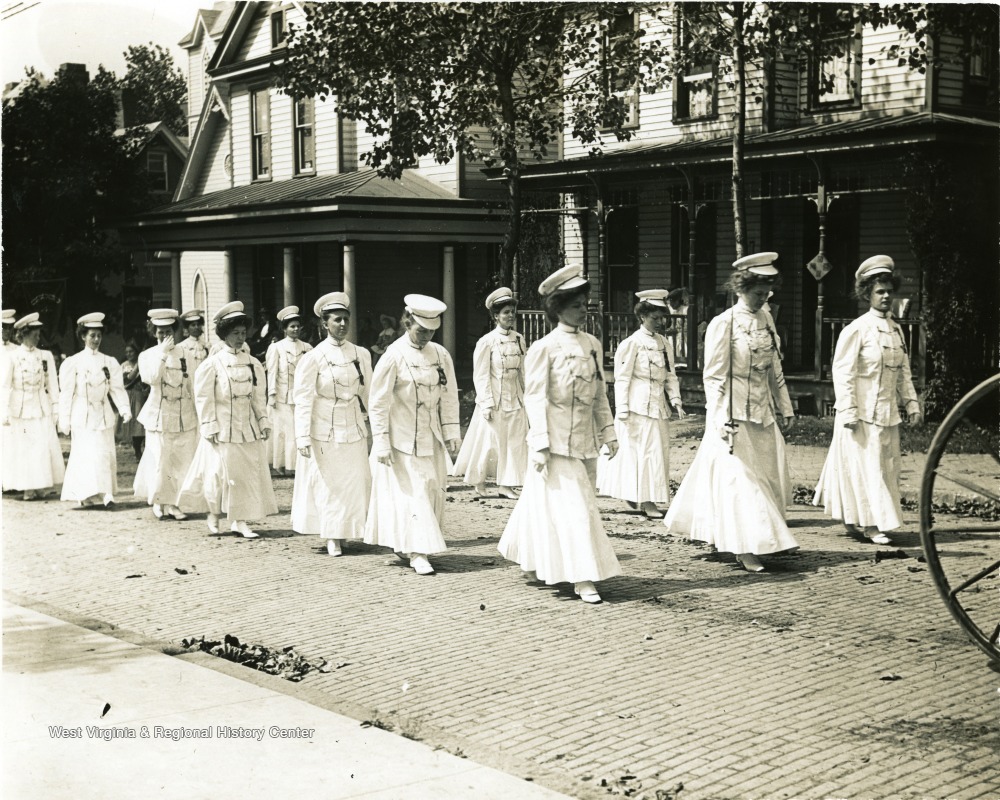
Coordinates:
<point>58,743</point>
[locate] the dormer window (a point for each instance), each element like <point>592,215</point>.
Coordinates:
<point>156,170</point>
<point>278,29</point>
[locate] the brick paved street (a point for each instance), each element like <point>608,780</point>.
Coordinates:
<point>692,672</point>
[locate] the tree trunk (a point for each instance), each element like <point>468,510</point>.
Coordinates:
<point>739,132</point>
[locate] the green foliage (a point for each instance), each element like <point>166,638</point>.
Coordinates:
<point>155,87</point>
<point>951,219</point>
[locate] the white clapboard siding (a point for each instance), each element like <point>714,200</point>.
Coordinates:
<point>785,92</point>
<point>195,84</point>
<point>885,85</point>
<point>213,177</point>
<point>349,151</point>
<point>444,175</point>
<point>325,134</point>
<point>204,270</point>
<point>239,106</point>
<point>282,148</point>
<point>257,40</point>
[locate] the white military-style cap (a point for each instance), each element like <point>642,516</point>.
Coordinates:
<point>30,321</point>
<point>9,315</point>
<point>874,266</point>
<point>655,297</point>
<point>569,277</point>
<point>503,294</point>
<point>332,301</point>
<point>194,315</point>
<point>95,320</point>
<point>288,313</point>
<point>758,263</point>
<point>233,309</point>
<point>162,316</point>
<point>425,310</point>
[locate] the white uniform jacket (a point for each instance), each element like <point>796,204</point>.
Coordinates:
<point>871,372</point>
<point>758,384</point>
<point>332,382</point>
<point>565,396</point>
<point>195,351</point>
<point>644,376</point>
<point>497,370</point>
<point>170,376</point>
<point>229,395</point>
<point>91,382</point>
<point>414,399</point>
<point>281,361</point>
<point>28,385</point>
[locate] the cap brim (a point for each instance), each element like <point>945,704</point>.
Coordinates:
<point>765,269</point>
<point>431,324</point>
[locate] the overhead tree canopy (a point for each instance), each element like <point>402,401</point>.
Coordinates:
<point>489,81</point>
<point>154,87</point>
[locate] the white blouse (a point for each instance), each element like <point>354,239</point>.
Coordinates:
<point>497,370</point>
<point>281,361</point>
<point>644,376</point>
<point>229,394</point>
<point>28,385</point>
<point>871,372</point>
<point>757,389</point>
<point>90,382</point>
<point>170,376</point>
<point>332,383</point>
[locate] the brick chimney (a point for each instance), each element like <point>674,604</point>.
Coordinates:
<point>74,72</point>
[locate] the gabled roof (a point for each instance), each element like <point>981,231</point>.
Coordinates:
<point>159,130</point>
<point>232,36</point>
<point>364,185</point>
<point>821,137</point>
<point>216,105</point>
<point>211,21</point>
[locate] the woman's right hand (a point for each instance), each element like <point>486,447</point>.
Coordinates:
<point>305,452</point>
<point>385,459</point>
<point>727,430</point>
<point>488,414</point>
<point>214,438</point>
<point>540,461</point>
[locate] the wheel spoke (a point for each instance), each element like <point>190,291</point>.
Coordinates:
<point>967,484</point>
<point>966,530</point>
<point>976,578</point>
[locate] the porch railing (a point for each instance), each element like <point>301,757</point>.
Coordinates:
<point>913,337</point>
<point>611,328</point>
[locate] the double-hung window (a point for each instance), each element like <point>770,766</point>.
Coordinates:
<point>696,87</point>
<point>156,169</point>
<point>278,29</point>
<point>619,35</point>
<point>835,76</point>
<point>260,133</point>
<point>305,141</point>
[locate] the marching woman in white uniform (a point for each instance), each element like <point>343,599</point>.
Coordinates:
<point>414,418</point>
<point>332,476</point>
<point>29,397</point>
<point>193,344</point>
<point>8,457</point>
<point>555,530</point>
<point>281,360</point>
<point>644,379</point>
<point>91,389</point>
<point>169,418</point>
<point>735,493</point>
<point>496,444</point>
<point>859,483</point>
<point>230,397</point>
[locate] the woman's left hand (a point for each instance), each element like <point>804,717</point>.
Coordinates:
<point>915,418</point>
<point>265,433</point>
<point>453,446</point>
<point>787,424</point>
<point>612,449</point>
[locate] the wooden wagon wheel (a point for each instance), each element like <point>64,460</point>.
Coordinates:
<point>964,558</point>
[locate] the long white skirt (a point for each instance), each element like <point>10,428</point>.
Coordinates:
<point>332,490</point>
<point>555,528</point>
<point>496,449</point>
<point>282,451</point>
<point>92,467</point>
<point>736,502</point>
<point>407,503</point>
<point>231,479</point>
<point>640,470</point>
<point>859,483</point>
<point>164,464</point>
<point>32,457</point>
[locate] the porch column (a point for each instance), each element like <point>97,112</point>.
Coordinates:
<point>175,280</point>
<point>228,277</point>
<point>351,288</point>
<point>448,283</point>
<point>288,262</point>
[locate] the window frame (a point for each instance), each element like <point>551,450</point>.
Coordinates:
<point>706,72</point>
<point>979,87</point>
<point>260,140</point>
<point>302,142</point>
<point>629,95</point>
<point>152,174</point>
<point>279,30</point>
<point>852,38</point>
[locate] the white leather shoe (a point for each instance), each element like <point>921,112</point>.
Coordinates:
<point>157,511</point>
<point>877,537</point>
<point>750,562</point>
<point>175,512</point>
<point>243,529</point>
<point>213,522</point>
<point>421,565</point>
<point>587,591</point>
<point>333,547</point>
<point>481,490</point>
<point>651,511</point>
<point>508,492</point>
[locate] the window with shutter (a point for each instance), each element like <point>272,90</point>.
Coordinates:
<point>260,113</point>
<point>305,142</point>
